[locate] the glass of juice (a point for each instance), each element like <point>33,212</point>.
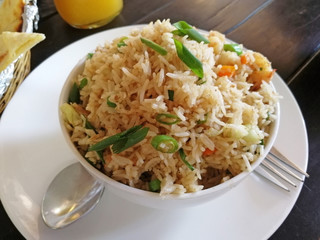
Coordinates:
<point>87,14</point>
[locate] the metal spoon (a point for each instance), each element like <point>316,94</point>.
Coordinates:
<point>72,194</point>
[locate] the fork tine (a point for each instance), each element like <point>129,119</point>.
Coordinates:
<point>274,161</point>
<point>274,152</point>
<point>262,172</point>
<point>272,169</point>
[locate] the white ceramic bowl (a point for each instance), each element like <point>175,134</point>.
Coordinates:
<point>151,199</point>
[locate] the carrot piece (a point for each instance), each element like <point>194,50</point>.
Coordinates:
<point>208,152</point>
<point>244,59</point>
<point>227,70</point>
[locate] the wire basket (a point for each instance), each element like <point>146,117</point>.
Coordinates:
<point>21,70</point>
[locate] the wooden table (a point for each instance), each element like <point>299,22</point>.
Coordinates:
<point>286,31</point>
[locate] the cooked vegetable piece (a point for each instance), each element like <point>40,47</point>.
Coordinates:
<point>121,43</point>
<point>168,119</point>
<point>244,59</point>
<point>90,55</point>
<point>171,95</point>
<point>208,152</point>
<point>155,185</point>
<point>111,104</point>
<point>183,157</point>
<point>185,29</point>
<point>165,144</point>
<point>227,70</point>
<point>129,141</point>
<point>154,46</point>
<point>70,114</point>
<point>83,83</point>
<point>189,59</point>
<point>113,139</point>
<point>74,95</point>
<point>233,47</point>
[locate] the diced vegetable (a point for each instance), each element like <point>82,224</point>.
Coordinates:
<point>111,104</point>
<point>235,131</point>
<point>227,70</point>
<point>183,28</point>
<point>165,144</point>
<point>244,59</point>
<point>121,43</point>
<point>154,46</point>
<point>254,135</point>
<point>171,95</point>
<point>168,119</point>
<point>208,152</point>
<point>90,55</point>
<point>70,114</point>
<point>233,47</point>
<point>155,185</point>
<point>74,95</point>
<point>189,59</point>
<point>83,83</point>
<point>183,157</point>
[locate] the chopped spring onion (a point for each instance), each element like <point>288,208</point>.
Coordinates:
<point>88,125</point>
<point>111,104</point>
<point>165,144</point>
<point>90,55</point>
<point>204,120</point>
<point>261,142</point>
<point>171,95</point>
<point>154,46</point>
<point>233,47</point>
<point>100,154</point>
<point>125,135</point>
<point>83,83</point>
<point>183,158</point>
<point>201,81</point>
<point>129,141</point>
<point>185,29</point>
<point>74,96</point>
<point>155,185</point>
<point>168,119</point>
<point>121,43</point>
<point>189,59</point>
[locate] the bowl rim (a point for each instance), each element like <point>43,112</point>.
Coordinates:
<point>229,184</point>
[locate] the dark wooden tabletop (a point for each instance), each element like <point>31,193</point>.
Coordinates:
<point>286,31</point>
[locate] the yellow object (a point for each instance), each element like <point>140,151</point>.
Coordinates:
<point>88,13</point>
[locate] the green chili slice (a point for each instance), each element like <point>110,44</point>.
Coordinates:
<point>74,96</point>
<point>154,46</point>
<point>155,185</point>
<point>185,29</point>
<point>121,43</point>
<point>168,119</point>
<point>189,59</point>
<point>233,47</point>
<point>183,158</point>
<point>165,144</point>
<point>111,104</point>
<point>83,83</point>
<point>171,95</point>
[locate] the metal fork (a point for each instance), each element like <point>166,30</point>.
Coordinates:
<point>275,164</point>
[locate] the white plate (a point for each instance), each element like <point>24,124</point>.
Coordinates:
<point>33,151</point>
